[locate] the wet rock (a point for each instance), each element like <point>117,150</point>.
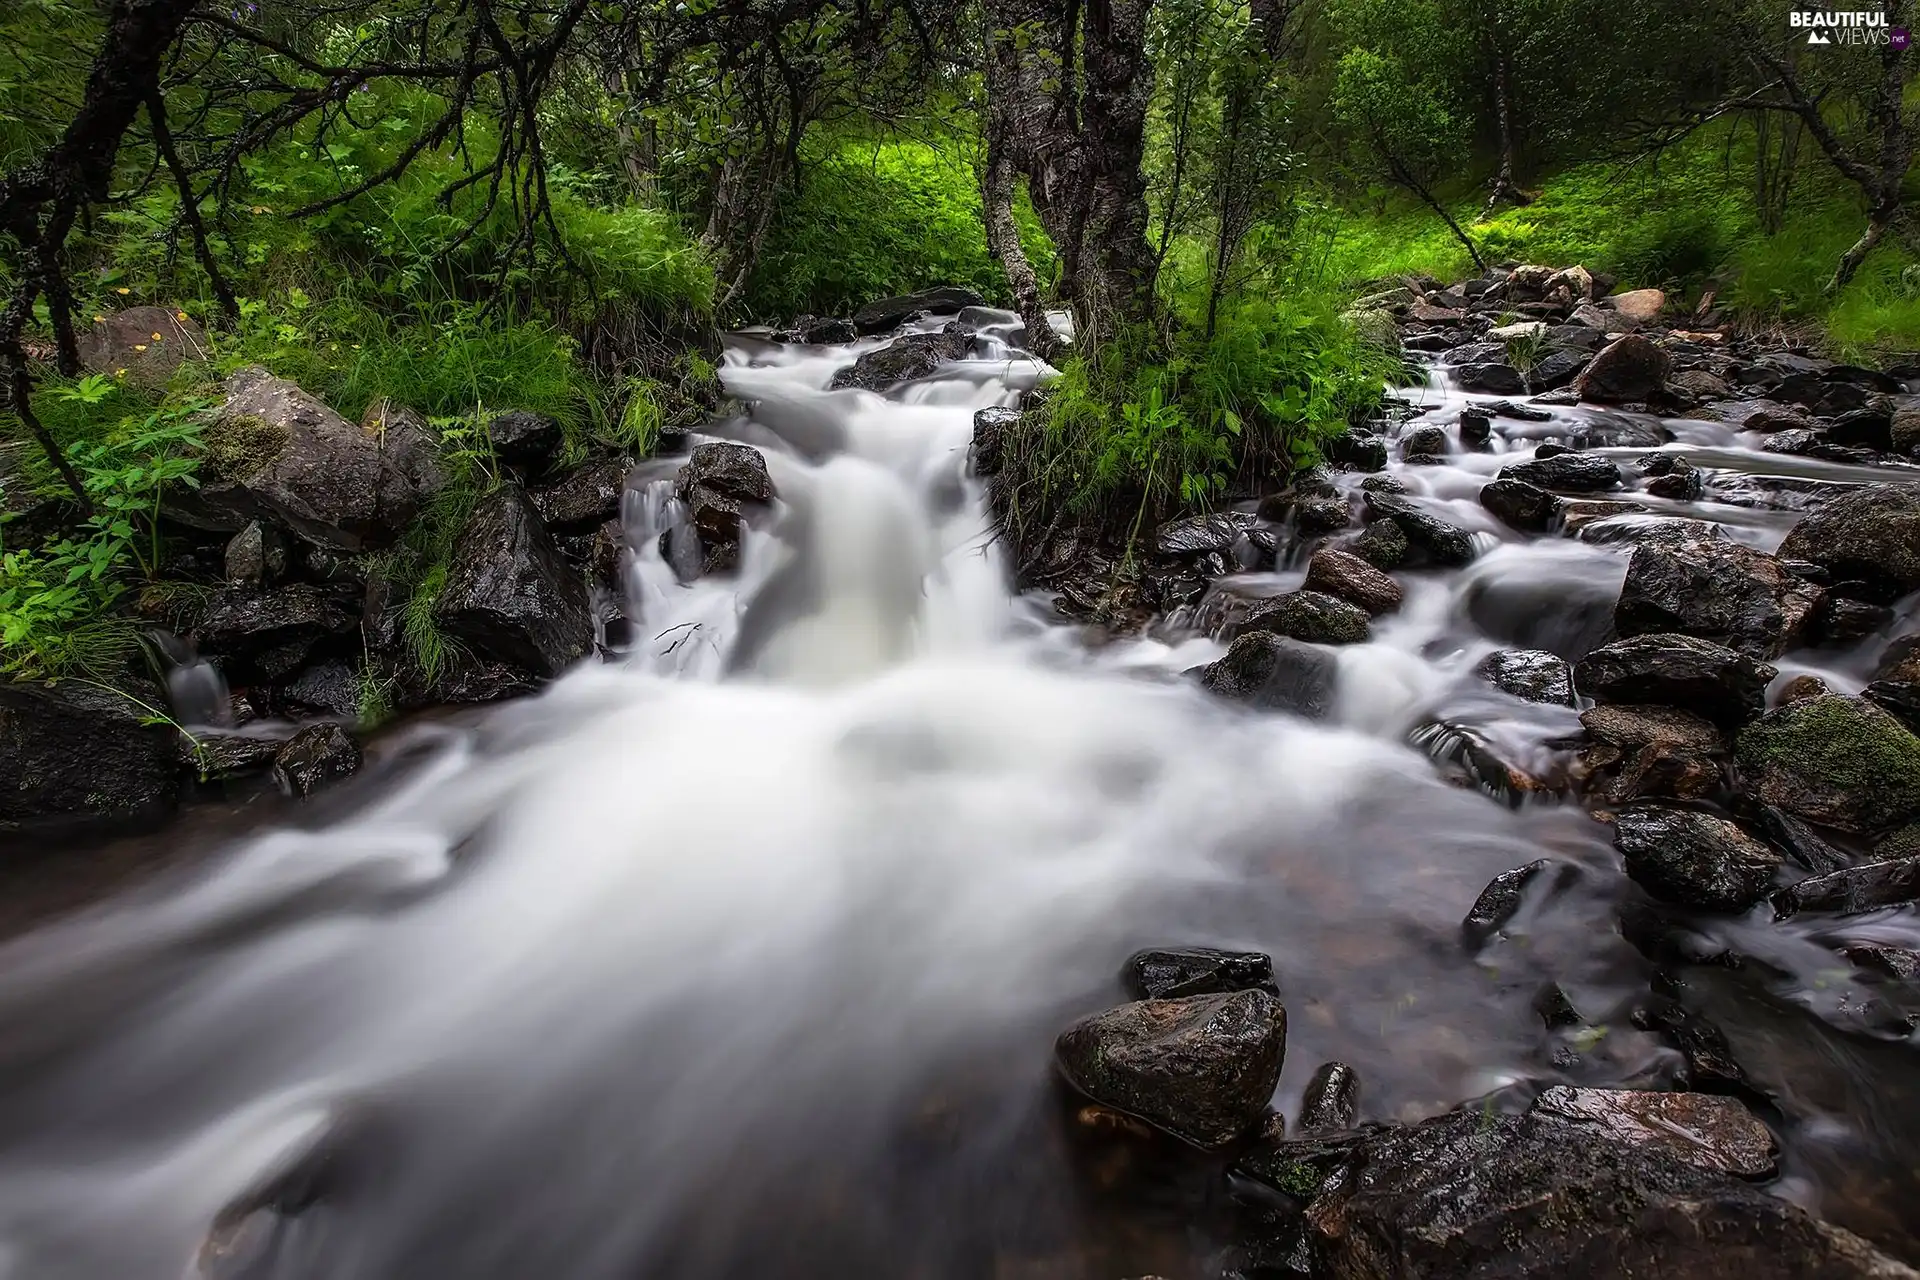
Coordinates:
<point>1167,973</point>
<point>1852,890</point>
<point>891,313</point>
<point>1497,378</point>
<point>1427,313</point>
<point>1430,439</point>
<point>1903,432</point>
<point>1339,573</point>
<point>1674,478</point>
<point>144,345</point>
<point>1691,386</point>
<point>1444,543</point>
<point>1476,428</point>
<point>990,428</point>
<point>1801,843</point>
<point>525,440</point>
<point>1498,903</point>
<point>1892,962</point>
<point>1357,450</point>
<point>408,443</point>
<point>1201,535</point>
<point>227,755</point>
<point>1900,662</point>
<point>1638,306</point>
<point>1557,369</point>
<point>1770,417</point>
<point>74,757</point>
<point>1630,728</point>
<point>1844,622</point>
<point>255,556</point>
<point>916,355</point>
<point>1870,427</point>
<point>1840,762</point>
<point>331,687</point>
<point>1520,505</point>
<point>1556,1008</point>
<point>314,757</point>
<point>1317,516</point>
<point>1719,683</point>
<point>584,498</point>
<point>1710,1064</point>
<point>1579,515</point>
<point>1718,590</point>
<point>1802,687</point>
<point>509,596</point>
<point>1630,369</point>
<point>818,331</point>
<point>1713,1133</point>
<point>1273,673</point>
<point>1573,472</point>
<point>1901,701</point>
<point>1383,484</point>
<point>1203,1068</point>
<point>1312,616</point>
<point>275,453</point>
<point>1382,544</point>
<point>1482,1195</point>
<point>1532,675</point>
<point>1871,533</point>
<point>1692,858</point>
<point>1332,1101</point>
<point>268,635</point>
<point>716,482</point>
<point>1609,430</point>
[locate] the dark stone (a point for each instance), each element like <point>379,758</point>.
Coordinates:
<point>1382,544</point>
<point>1332,1101</point>
<point>1312,616</point>
<point>1497,378</point>
<point>1628,369</point>
<point>1201,535</point>
<point>74,758</point>
<point>1476,428</point>
<point>314,757</point>
<point>1557,369</point>
<point>1572,472</point>
<point>1719,683</point>
<point>1684,482</point>
<point>1852,890</point>
<point>1520,505</point>
<point>1348,576</point>
<point>509,596</point>
<point>1872,533</point>
<point>1901,701</point>
<point>255,556</point>
<point>1893,962</point>
<point>990,428</point>
<point>1476,1195</point>
<point>1443,542</point>
<point>819,331</point>
<point>525,440</point>
<point>584,498</point>
<point>228,755</point>
<point>1429,439</point>
<point>1618,431</point>
<point>1556,1008</point>
<point>916,355</point>
<point>1167,973</point>
<point>1718,590</point>
<point>1317,516</point>
<point>1203,1068</point>
<point>1805,846</point>
<point>891,313</point>
<point>1840,762</point>
<point>1273,673</point>
<point>268,635</point>
<point>715,483</point>
<point>332,687</point>
<point>1693,858</point>
<point>1708,1132</point>
<point>1498,903</point>
<point>1840,621</point>
<point>1868,428</point>
<point>1531,675</point>
<point>1711,1065</point>
<point>1508,409</point>
<point>1356,450</point>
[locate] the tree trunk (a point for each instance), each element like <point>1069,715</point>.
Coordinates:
<point>1504,185</point>
<point>1003,242</point>
<point>1849,265</point>
<point>1405,178</point>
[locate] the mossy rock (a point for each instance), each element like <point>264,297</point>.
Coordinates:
<point>1904,843</point>
<point>241,445</point>
<point>1838,761</point>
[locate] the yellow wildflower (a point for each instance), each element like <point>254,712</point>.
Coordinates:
<point>123,289</point>
<point>139,346</point>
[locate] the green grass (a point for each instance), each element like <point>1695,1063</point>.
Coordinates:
<point>1683,225</point>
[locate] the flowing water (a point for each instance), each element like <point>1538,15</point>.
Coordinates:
<point>743,953</point>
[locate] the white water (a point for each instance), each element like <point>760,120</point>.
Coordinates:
<point>744,956</point>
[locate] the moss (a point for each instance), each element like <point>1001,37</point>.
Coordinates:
<point>240,444</point>
<point>1834,759</point>
<point>1904,843</point>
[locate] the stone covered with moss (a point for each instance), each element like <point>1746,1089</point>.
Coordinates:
<point>1838,761</point>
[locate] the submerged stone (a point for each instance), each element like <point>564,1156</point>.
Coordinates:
<point>1168,972</point>
<point>1708,1132</point>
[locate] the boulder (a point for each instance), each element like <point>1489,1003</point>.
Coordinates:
<point>1716,682</point>
<point>891,313</point>
<point>1429,441</point>
<point>1476,428</point>
<point>1674,478</point>
<point>1638,306</point>
<point>1692,386</point>
<point>1692,858</point>
<point>1344,574</point>
<point>584,498</point>
<point>1498,903</point>
<point>1332,1100</point>
<point>1599,319</point>
<point>267,635</point>
<point>1708,1132</point>
<point>1840,762</point>
<point>1569,284</point>
<point>331,687</point>
<point>1495,377</point>
<point>1475,1195</point>
<point>1891,962</point>
<point>1718,590</point>
<point>1274,673</point>
<point>1444,543</point>
<point>1631,727</point>
<point>1202,535</point>
<point>1523,331</point>
<point>1520,505</point>
<point>314,757</point>
<point>528,441</point>
<point>1904,431</point>
<point>1201,1067</point>
<point>1382,544</point>
<point>74,757</point>
<point>715,483</point>
<point>1571,472</point>
<point>1168,973</point>
<point>509,596</point>
<point>1356,450</point>
<point>255,556</point>
<point>1531,675</point>
<point>1628,370</point>
<point>990,430</point>
<point>916,355</point>
<point>273,452</point>
<point>1853,890</point>
<point>144,345</point>
<point>1640,753</point>
<point>1557,369</point>
<point>818,331</point>
<point>1872,533</point>
<point>1312,616</point>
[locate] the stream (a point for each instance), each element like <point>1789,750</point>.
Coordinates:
<point>744,953</point>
